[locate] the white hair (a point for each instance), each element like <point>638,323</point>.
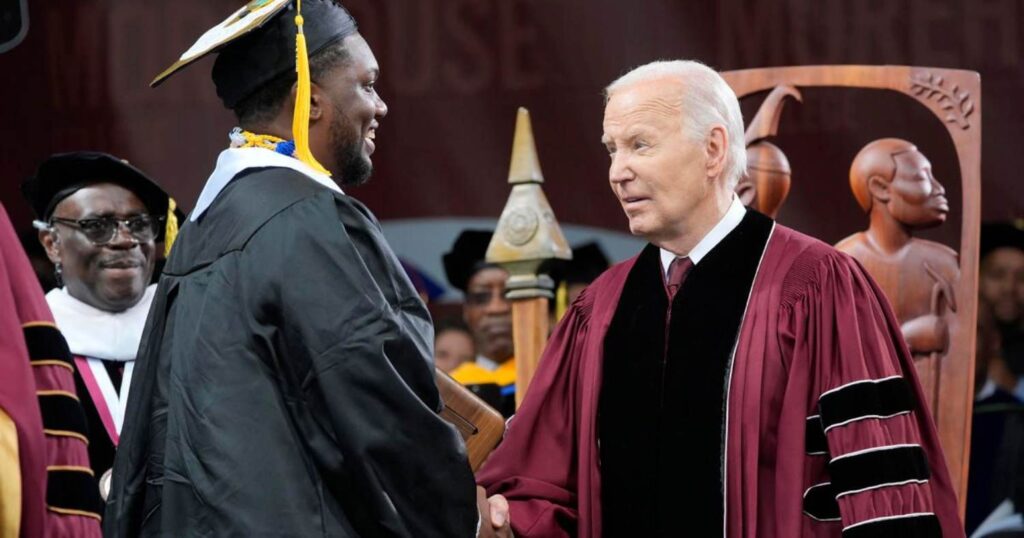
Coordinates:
<point>707,100</point>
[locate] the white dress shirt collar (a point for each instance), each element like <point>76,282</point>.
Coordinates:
<point>732,218</point>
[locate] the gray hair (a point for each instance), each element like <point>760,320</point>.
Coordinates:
<point>707,100</point>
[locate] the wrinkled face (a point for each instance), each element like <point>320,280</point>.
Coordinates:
<point>489,314</point>
<point>357,111</point>
<point>452,348</point>
<point>656,172</point>
<point>916,198</point>
<point>111,277</point>
<point>1001,283</point>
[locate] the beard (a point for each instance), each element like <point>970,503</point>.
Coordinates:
<point>348,154</point>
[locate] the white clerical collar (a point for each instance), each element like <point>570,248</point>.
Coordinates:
<point>96,333</point>
<point>732,218</point>
<point>232,161</point>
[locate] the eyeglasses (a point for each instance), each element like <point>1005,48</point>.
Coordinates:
<point>485,296</point>
<point>103,230</point>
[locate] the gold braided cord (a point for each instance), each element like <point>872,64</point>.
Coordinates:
<point>265,141</point>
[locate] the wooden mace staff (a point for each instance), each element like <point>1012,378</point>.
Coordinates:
<point>527,236</point>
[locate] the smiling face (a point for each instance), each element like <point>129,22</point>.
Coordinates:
<point>111,277</point>
<point>917,198</point>
<point>354,112</point>
<point>660,176</point>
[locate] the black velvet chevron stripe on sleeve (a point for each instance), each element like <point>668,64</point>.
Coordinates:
<point>72,489</point>
<point>820,502</point>
<point>910,526</point>
<point>814,437</point>
<point>63,413</point>
<point>874,468</point>
<point>865,399</point>
<point>45,342</point>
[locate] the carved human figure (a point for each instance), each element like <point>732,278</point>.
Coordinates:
<point>893,182</point>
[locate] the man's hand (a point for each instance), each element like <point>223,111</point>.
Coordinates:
<point>494,521</point>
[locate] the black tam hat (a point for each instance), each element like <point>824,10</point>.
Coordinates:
<point>63,174</point>
<point>996,235</point>
<point>587,263</point>
<point>467,257</point>
<point>257,43</point>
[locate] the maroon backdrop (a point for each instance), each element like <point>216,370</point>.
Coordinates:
<point>454,72</point>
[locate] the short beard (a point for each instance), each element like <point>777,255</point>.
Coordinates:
<point>354,169</point>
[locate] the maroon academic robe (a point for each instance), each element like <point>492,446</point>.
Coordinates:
<point>814,390</point>
<point>59,496</point>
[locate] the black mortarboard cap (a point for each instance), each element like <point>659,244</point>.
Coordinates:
<point>996,235</point>
<point>257,43</point>
<point>468,255</point>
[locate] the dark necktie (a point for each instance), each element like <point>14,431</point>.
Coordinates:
<point>677,271</point>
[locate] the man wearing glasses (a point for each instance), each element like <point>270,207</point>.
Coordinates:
<point>488,314</point>
<point>99,219</point>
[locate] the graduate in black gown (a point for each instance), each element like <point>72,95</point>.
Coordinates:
<point>284,384</point>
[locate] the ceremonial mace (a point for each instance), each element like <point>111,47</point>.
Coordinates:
<point>527,236</point>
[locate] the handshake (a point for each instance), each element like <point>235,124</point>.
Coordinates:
<point>494,520</point>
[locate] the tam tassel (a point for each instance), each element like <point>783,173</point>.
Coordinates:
<point>300,120</point>
<point>171,231</point>
<point>561,300</point>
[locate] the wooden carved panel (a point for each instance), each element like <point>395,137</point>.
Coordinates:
<point>933,289</point>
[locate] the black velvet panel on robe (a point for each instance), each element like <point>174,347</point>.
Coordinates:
<point>662,408</point>
<point>101,446</point>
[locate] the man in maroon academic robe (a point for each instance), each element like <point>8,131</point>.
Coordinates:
<point>46,486</point>
<point>736,378</point>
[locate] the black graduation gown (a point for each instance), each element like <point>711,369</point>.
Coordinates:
<point>284,383</point>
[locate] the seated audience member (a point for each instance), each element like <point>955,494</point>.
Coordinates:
<point>492,375</point>
<point>1001,285</point>
<point>453,345</point>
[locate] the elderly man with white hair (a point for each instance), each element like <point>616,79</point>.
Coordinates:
<point>736,378</point>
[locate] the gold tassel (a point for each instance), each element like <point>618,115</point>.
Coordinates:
<point>300,120</point>
<point>171,231</point>
<point>561,300</point>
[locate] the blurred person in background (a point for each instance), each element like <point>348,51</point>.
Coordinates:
<point>997,429</point>
<point>453,345</point>
<point>488,314</point>
<point>1001,285</point>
